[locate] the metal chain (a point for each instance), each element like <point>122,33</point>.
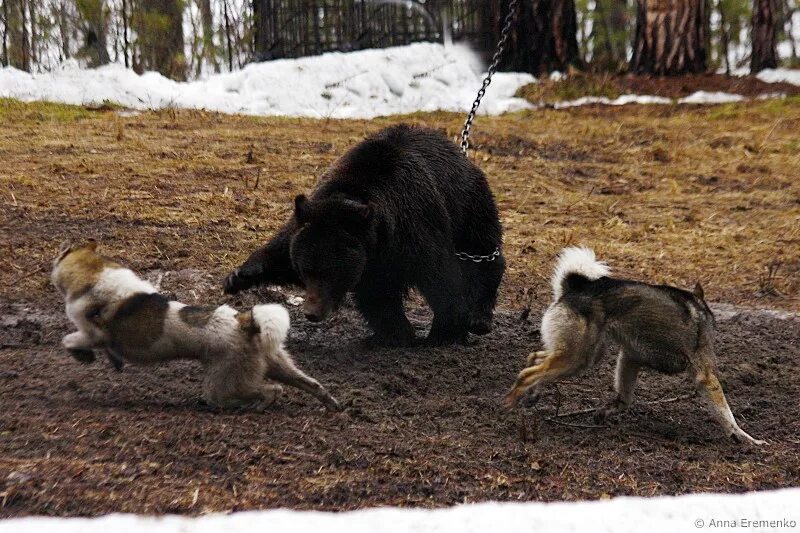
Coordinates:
<point>464,256</point>
<point>498,54</point>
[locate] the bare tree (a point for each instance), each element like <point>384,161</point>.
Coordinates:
<point>125,44</point>
<point>5,33</point>
<point>765,35</point>
<point>671,37</point>
<point>228,33</point>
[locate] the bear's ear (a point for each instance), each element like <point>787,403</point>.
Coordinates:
<point>300,202</point>
<point>366,212</point>
<point>698,291</point>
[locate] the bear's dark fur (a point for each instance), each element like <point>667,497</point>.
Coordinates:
<point>387,217</point>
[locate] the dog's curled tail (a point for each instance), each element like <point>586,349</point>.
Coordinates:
<point>273,324</point>
<point>575,266</point>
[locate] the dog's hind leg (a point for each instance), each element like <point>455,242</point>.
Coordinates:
<point>282,369</point>
<point>708,383</point>
<point>555,365</point>
<point>625,379</point>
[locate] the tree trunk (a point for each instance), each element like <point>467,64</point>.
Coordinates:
<point>94,17</point>
<point>610,34</point>
<point>765,33</point>
<point>671,37</point>
<point>263,20</point>
<point>228,33</point>
<point>25,47</point>
<point>542,40</point>
<point>5,33</point>
<point>159,27</point>
<point>725,39</point>
<point>125,31</point>
<point>207,18</point>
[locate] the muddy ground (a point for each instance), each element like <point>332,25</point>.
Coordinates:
<point>182,197</point>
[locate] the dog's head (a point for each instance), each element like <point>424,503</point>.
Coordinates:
<point>76,268</point>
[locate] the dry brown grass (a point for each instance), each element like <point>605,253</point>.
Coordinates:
<point>666,194</point>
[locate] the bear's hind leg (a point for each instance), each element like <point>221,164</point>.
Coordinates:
<point>481,281</point>
<point>383,310</point>
<point>443,289</point>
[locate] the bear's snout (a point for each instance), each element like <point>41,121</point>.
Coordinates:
<point>314,305</point>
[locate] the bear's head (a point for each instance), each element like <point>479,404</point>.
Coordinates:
<point>329,250</point>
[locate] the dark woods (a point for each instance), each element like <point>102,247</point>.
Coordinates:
<point>189,38</point>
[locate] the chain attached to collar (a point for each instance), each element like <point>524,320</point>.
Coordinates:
<point>464,256</point>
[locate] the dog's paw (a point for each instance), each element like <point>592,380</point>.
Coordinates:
<point>332,404</point>
<point>82,355</point>
<point>744,438</point>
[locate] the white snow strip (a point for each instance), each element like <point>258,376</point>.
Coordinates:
<point>755,511</point>
<point>363,84</point>
<point>776,75</point>
<point>704,97</point>
<point>621,100</point>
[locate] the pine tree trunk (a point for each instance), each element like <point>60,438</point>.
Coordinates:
<point>671,37</point>
<point>765,33</point>
<point>543,39</point>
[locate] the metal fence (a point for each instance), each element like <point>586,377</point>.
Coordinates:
<point>294,28</point>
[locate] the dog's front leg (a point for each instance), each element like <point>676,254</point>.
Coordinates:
<point>79,346</point>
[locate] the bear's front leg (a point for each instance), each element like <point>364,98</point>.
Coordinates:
<point>79,346</point>
<point>270,264</point>
<point>383,310</point>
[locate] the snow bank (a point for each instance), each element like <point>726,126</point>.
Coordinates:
<point>363,84</point>
<point>775,75</point>
<point>756,511</point>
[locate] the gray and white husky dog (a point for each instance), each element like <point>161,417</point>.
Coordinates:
<point>116,311</point>
<point>657,327</point>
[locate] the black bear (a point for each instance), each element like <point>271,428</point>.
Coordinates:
<point>402,209</point>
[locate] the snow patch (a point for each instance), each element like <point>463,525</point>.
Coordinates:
<point>755,511</point>
<point>704,97</point>
<point>363,84</point>
<point>776,75</point>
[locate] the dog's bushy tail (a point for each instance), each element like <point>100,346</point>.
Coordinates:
<point>273,324</point>
<point>575,266</point>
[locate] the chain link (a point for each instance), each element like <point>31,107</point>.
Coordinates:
<point>498,54</point>
<point>464,256</point>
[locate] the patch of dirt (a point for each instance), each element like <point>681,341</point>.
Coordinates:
<point>421,427</point>
<point>424,426</point>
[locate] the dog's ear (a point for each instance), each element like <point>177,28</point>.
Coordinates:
<point>63,251</point>
<point>698,291</point>
<point>91,244</point>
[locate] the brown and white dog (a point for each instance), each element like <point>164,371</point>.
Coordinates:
<point>116,311</point>
<point>657,327</point>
